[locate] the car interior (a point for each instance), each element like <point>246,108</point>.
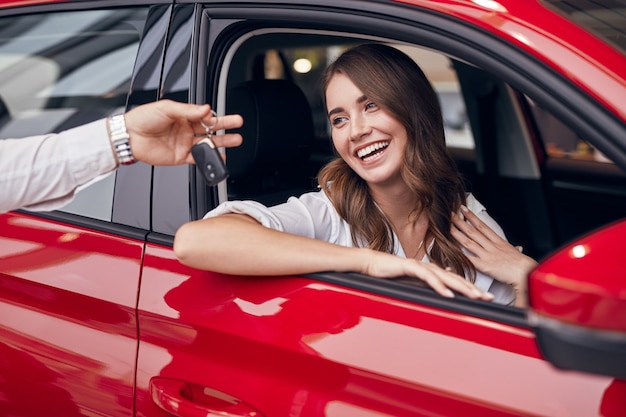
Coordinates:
<point>504,144</point>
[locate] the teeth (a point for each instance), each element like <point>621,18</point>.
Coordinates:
<point>368,150</point>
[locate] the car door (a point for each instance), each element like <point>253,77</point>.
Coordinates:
<point>326,344</point>
<point>69,278</point>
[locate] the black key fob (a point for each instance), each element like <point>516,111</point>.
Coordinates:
<point>209,161</point>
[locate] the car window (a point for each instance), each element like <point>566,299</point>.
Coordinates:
<point>560,141</point>
<point>496,133</point>
<point>305,64</point>
<point>61,70</point>
<point>300,61</point>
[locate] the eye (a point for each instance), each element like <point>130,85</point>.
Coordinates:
<point>370,105</point>
<point>338,120</point>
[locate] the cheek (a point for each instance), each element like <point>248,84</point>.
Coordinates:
<point>340,143</point>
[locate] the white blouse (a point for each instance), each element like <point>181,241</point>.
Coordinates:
<point>313,215</point>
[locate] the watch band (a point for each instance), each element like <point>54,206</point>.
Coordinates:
<point>120,139</point>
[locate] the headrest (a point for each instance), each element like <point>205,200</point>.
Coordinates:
<point>277,131</point>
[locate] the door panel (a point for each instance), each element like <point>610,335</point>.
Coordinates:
<point>297,346</point>
<point>584,188</point>
<point>584,195</point>
<point>67,319</point>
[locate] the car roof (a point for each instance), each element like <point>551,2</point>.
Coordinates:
<point>536,27</point>
<point>552,38</point>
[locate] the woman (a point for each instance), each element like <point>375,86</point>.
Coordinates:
<point>385,204</point>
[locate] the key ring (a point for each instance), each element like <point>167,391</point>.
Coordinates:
<point>208,130</point>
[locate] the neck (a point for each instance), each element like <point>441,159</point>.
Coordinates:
<point>397,203</point>
<point>399,206</point>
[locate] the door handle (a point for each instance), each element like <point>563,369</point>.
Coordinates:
<point>189,400</point>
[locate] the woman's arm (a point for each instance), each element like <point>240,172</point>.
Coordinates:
<point>493,255</point>
<point>238,244</point>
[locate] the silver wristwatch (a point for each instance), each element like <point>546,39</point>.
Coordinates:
<point>120,139</point>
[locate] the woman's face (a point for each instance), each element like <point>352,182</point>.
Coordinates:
<point>368,138</point>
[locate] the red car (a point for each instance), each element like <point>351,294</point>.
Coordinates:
<point>97,316</point>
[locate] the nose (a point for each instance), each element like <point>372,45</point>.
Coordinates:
<point>359,127</point>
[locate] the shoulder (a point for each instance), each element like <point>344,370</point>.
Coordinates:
<point>477,208</point>
<point>318,198</point>
<point>473,204</point>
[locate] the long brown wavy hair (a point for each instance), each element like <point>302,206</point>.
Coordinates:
<point>397,84</point>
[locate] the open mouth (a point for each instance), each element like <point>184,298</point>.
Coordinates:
<point>371,151</point>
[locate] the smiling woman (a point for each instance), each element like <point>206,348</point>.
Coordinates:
<point>384,205</point>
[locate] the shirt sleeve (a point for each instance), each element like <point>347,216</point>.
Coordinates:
<point>45,172</point>
<point>310,215</point>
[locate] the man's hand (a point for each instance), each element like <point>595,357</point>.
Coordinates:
<point>163,132</point>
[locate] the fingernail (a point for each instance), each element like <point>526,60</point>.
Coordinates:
<point>448,293</point>
<point>464,209</point>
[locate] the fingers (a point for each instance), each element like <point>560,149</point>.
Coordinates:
<point>444,281</point>
<point>198,114</point>
<point>480,225</point>
<point>467,235</point>
<point>176,110</point>
<point>228,140</point>
<point>217,123</point>
<point>229,121</point>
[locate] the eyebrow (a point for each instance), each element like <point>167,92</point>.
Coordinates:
<point>336,110</point>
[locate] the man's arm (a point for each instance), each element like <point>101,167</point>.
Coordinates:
<point>43,172</point>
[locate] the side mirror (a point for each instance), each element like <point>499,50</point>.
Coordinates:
<point>578,303</point>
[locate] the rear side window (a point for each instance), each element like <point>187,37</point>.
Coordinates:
<point>61,70</point>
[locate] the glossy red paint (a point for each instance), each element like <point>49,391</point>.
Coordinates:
<point>73,305</point>
<point>22,3</point>
<point>67,314</point>
<point>270,342</point>
<point>575,53</point>
<point>584,282</point>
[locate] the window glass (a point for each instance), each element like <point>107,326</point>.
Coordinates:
<point>61,70</point>
<point>560,141</point>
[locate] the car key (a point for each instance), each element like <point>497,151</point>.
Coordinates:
<point>208,158</point>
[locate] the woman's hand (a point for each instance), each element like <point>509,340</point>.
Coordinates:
<point>443,281</point>
<point>215,244</point>
<point>493,255</point>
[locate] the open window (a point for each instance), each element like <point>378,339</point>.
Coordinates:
<point>274,81</point>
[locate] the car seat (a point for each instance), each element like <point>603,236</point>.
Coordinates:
<point>273,162</point>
